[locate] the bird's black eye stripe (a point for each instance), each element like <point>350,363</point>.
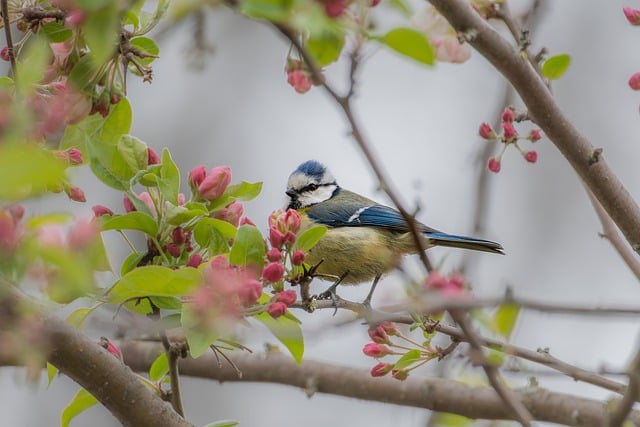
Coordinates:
<point>313,186</point>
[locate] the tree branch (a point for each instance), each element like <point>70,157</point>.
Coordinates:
<point>430,393</point>
<point>575,147</point>
<point>98,371</point>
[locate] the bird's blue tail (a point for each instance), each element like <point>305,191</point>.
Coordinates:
<point>443,239</point>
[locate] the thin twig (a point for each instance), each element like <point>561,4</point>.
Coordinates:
<point>624,406</point>
<point>173,355</point>
<point>519,410</point>
<point>610,232</point>
<point>4,6</point>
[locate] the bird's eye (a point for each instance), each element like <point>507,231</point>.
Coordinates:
<point>312,187</point>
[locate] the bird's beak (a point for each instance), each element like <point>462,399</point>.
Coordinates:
<point>291,193</point>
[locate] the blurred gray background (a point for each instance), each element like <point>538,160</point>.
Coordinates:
<point>422,124</point>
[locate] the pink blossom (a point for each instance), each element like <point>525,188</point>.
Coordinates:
<point>128,204</point>
<point>535,135</point>
<point>178,235</point>
<point>531,156</point>
<point>75,17</point>
<point>486,131</point>
<point>276,238</point>
<point>75,156</point>
<point>376,350</point>
<point>299,80</point>
<point>288,297</point>
<point>250,292</point>
<point>231,213</point>
<point>378,334</point>
<point>174,250</point>
<point>146,198</point>
<point>381,369</point>
<point>194,260</point>
<point>632,15</point>
<point>9,232</point>
<point>83,233</point>
<point>214,184</point>
<point>297,258</point>
<point>76,194</point>
<point>634,81</point>
<point>509,131</point>
<point>494,164</point>
<point>442,35</point>
<point>277,309</point>
<point>152,157</point>
<point>51,235</point>
<point>247,221</point>
<point>197,175</point>
<point>110,347</point>
<point>508,115</point>
<point>4,54</point>
<point>273,272</point>
<point>274,255</point>
<point>335,8</point>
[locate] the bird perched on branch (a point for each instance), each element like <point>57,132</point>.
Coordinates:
<point>364,239</point>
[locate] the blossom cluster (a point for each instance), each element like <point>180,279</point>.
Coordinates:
<point>633,16</point>
<point>509,136</point>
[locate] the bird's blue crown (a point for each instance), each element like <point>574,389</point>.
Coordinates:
<point>312,168</point>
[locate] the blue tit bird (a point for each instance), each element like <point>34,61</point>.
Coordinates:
<point>364,239</point>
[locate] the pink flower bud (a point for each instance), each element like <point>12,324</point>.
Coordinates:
<point>399,374</point>
<point>374,3</point>
<point>231,213</point>
<point>334,8</point>
<point>277,309</point>
<point>634,81</point>
<point>110,347</point>
<point>178,236</point>
<point>535,135</point>
<point>378,335</point>
<point>292,220</point>
<point>435,280</point>
<point>376,350</point>
<point>508,115</point>
<point>390,328</point>
<point>181,199</point>
<point>494,165</point>
<point>214,184</point>
<point>4,54</point>
<point>219,262</point>
<point>381,369</point>
<point>128,204</point>
<point>174,250</point>
<point>299,80</point>
<point>75,17</point>
<point>290,237</point>
<point>509,131</point>
<point>146,198</point>
<point>197,175</point>
<point>531,156</point>
<point>194,260</point>
<point>274,255</point>
<point>247,221</point>
<point>632,15</point>
<point>288,297</point>
<point>76,194</point>
<point>17,212</point>
<point>250,292</point>
<point>273,272</point>
<point>152,157</point>
<point>276,238</point>
<point>83,233</point>
<point>486,131</point>
<point>75,156</point>
<point>297,258</point>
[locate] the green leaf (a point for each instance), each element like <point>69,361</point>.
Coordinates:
<point>554,67</point>
<point>199,338</point>
<point>444,419</point>
<point>169,183</point>
<point>78,317</point>
<point>308,238</point>
<point>82,73</point>
<point>214,234</point>
<point>154,280</point>
<point>505,317</point>
<point>131,261</point>
<point>244,191</point>
<point>166,303</point>
<point>177,215</point>
<point>408,359</point>
<point>146,46</point>
<point>287,330</point>
<point>81,401</point>
<point>133,152</point>
<point>56,32</point>
<point>223,423</point>
<point>159,368</point>
<point>248,247</point>
<point>411,43</point>
<point>28,170</point>
<point>52,371</point>
<point>271,10</point>
<point>101,31</point>
<point>325,47</point>
<point>131,221</point>
<point>31,69</point>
